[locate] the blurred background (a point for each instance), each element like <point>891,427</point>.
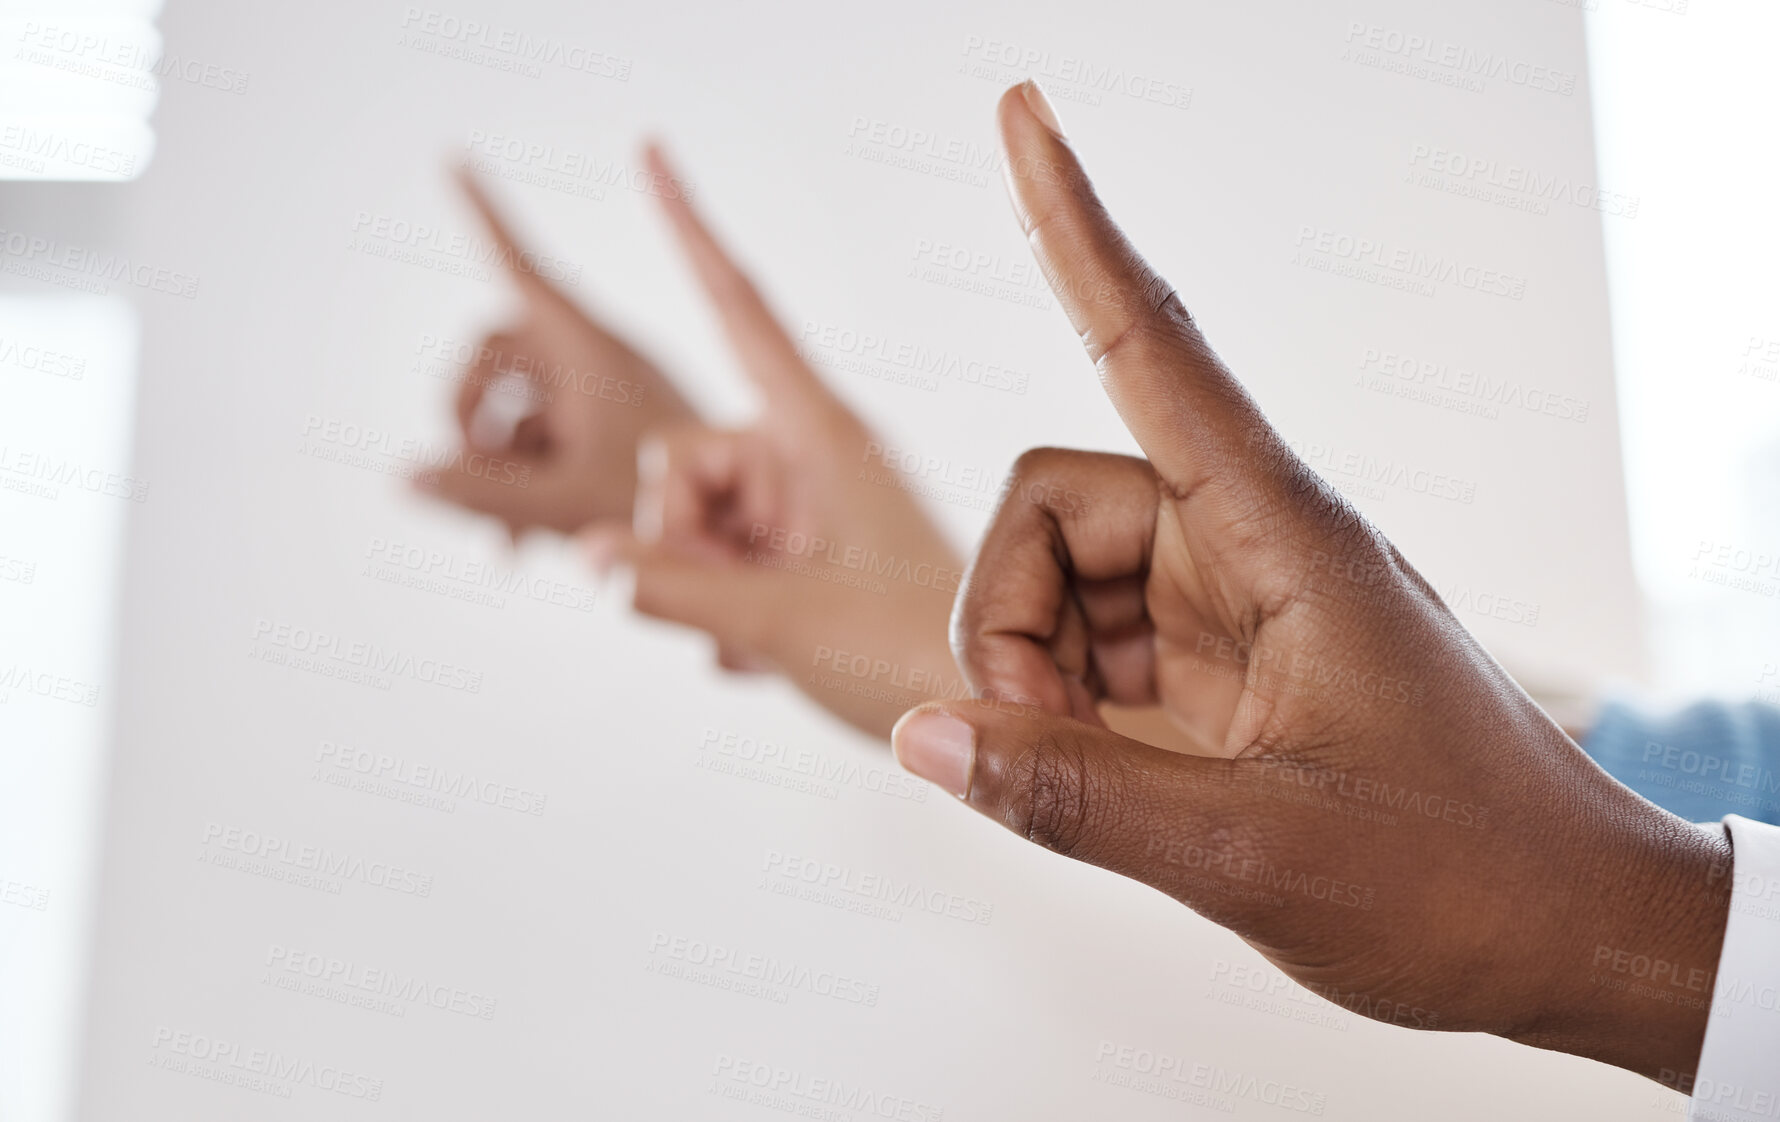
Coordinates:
<point>229,297</point>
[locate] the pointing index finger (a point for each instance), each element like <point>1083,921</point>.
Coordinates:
<point>1186,410</point>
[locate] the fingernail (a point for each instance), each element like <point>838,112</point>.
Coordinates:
<point>936,747</point>
<point>1041,108</point>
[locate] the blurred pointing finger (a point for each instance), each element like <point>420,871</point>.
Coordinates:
<point>766,351</point>
<point>517,261</point>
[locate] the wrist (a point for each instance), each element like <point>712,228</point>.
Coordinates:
<point>1632,979</point>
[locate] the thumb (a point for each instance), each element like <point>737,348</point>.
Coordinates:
<point>1085,792</point>
<point>728,599</point>
<point>489,483</point>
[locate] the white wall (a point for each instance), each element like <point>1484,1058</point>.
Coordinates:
<point>555,915</point>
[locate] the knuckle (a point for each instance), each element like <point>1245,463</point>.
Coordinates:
<point>1155,297</point>
<point>1052,801</point>
<point>1061,483</point>
<point>1037,219</point>
<point>1319,505</point>
<point>1037,477</point>
<point>1156,328</point>
<point>961,628</point>
<point>1037,463</point>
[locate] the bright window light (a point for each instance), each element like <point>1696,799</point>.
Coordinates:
<point>78,81</point>
<point>67,398</point>
<point>1684,98</point>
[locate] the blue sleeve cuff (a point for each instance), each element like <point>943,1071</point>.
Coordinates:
<point>1702,763</point>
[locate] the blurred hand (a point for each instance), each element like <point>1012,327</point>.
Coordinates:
<point>1374,804</point>
<point>585,397</point>
<point>790,541</point>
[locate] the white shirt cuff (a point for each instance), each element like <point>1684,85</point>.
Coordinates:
<point>1739,1076</point>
